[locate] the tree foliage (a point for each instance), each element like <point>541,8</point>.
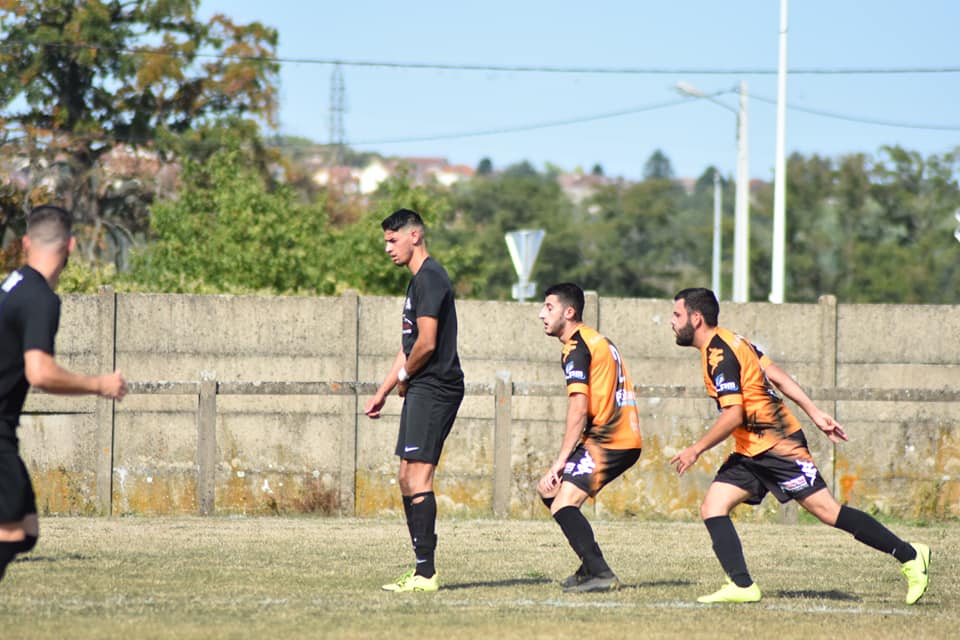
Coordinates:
<point>77,79</point>
<point>228,231</point>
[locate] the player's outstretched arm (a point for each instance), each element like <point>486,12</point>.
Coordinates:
<point>44,373</point>
<point>789,387</point>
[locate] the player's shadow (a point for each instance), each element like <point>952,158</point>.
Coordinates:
<point>50,559</point>
<point>512,582</point>
<point>832,594</point>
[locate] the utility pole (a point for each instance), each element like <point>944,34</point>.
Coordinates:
<point>780,172</point>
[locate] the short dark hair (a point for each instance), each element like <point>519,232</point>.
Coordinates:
<point>702,301</point>
<point>48,224</point>
<point>570,295</point>
<point>402,218</point>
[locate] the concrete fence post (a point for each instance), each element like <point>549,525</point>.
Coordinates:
<point>104,408</point>
<point>207,444</point>
<point>591,309</point>
<point>828,369</point>
<point>502,436</point>
<point>348,448</point>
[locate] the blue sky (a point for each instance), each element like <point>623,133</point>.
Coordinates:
<point>384,105</point>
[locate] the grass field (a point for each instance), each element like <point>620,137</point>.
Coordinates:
<point>291,578</point>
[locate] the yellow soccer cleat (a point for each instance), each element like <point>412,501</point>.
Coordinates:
<point>732,593</point>
<point>916,572</point>
<point>410,582</point>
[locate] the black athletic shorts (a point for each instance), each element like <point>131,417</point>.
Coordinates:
<point>591,467</point>
<point>17,499</point>
<point>425,421</point>
<point>787,471</point>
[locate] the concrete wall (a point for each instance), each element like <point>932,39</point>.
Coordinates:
<point>298,442</point>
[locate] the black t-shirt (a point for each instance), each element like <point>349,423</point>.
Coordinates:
<point>29,319</point>
<point>430,294</point>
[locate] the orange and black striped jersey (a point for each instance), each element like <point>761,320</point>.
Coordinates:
<point>593,366</point>
<point>733,371</point>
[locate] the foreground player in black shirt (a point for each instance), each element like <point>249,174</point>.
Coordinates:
<point>29,318</point>
<point>427,371</point>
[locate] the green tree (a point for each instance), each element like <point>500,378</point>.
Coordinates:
<point>227,231</point>
<point>658,167</point>
<point>79,78</point>
<point>518,198</point>
<point>485,167</point>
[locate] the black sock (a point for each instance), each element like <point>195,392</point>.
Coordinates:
<point>547,501</point>
<point>423,521</point>
<point>576,528</point>
<point>7,552</point>
<point>726,546</point>
<point>867,530</point>
<point>407,505</point>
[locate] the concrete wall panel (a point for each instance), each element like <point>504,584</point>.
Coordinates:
<point>311,453</point>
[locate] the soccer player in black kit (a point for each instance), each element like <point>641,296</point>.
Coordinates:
<point>427,373</point>
<point>29,318</point>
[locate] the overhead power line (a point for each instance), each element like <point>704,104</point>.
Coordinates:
<point>528,127</point>
<point>862,120</point>
<point>640,109</point>
<point>506,68</point>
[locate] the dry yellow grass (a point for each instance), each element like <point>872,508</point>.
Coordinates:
<point>289,578</point>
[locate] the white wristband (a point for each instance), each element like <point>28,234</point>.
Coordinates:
<point>402,375</point>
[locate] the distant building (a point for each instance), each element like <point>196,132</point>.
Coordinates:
<point>579,186</point>
<point>365,181</point>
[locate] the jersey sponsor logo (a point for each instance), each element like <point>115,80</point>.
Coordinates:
<point>795,484</point>
<point>722,385</point>
<point>584,467</point>
<point>714,357</point>
<point>626,398</point>
<point>573,374</point>
<point>12,280</point>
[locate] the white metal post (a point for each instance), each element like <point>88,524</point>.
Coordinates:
<point>741,231</point>
<point>780,179</point>
<point>717,230</point>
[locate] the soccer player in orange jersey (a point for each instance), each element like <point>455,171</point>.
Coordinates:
<point>601,439</point>
<point>771,453</point>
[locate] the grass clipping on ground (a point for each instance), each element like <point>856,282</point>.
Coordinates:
<point>305,577</point>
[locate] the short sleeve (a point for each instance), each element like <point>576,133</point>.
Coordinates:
<point>576,368</point>
<point>431,289</point>
<point>724,374</point>
<point>40,322</point>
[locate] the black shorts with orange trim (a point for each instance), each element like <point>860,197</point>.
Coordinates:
<point>788,476</point>
<point>591,467</point>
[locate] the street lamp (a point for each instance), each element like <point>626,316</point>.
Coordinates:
<point>741,231</point>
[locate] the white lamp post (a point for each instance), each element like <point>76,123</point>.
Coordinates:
<point>717,236</point>
<point>778,258</point>
<point>741,232</point>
